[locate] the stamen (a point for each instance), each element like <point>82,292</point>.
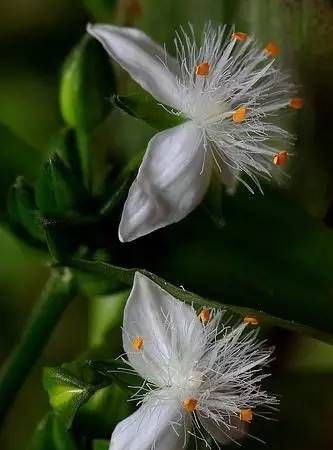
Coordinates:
<point>246,415</point>
<point>138,343</point>
<point>272,49</point>
<point>250,320</point>
<point>239,36</point>
<point>239,115</point>
<point>296,103</point>
<point>190,404</point>
<point>280,158</point>
<point>202,69</point>
<point>205,315</point>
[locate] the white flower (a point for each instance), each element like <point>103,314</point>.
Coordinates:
<point>201,378</point>
<point>228,89</point>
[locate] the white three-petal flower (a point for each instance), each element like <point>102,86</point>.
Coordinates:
<point>199,377</point>
<point>176,169</point>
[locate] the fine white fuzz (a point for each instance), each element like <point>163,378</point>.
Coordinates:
<point>241,74</point>
<point>202,378</point>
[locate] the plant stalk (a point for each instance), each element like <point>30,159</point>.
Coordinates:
<point>60,289</point>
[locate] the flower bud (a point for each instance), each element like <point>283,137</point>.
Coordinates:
<point>86,84</point>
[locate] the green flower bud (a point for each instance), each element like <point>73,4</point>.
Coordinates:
<point>86,84</point>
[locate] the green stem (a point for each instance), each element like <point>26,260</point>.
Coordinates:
<point>60,289</point>
<point>84,144</point>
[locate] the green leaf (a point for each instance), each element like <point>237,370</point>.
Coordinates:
<point>23,211</point>
<point>146,108</point>
<point>101,445</point>
<point>87,83</point>
<point>52,435</point>
<point>17,158</point>
<point>120,188</point>
<point>270,259</point>
<point>66,393</point>
<point>57,190</point>
<point>105,319</point>
<point>65,144</point>
<point>117,371</point>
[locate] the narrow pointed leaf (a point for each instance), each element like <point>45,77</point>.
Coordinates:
<point>23,211</point>
<point>271,258</point>
<point>18,158</point>
<point>66,393</point>
<point>146,108</point>
<point>57,190</point>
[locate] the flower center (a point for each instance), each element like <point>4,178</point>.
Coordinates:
<point>190,404</point>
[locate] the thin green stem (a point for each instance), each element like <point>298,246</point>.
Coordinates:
<point>84,144</point>
<point>60,289</point>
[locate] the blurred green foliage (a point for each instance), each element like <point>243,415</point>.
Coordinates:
<point>274,252</point>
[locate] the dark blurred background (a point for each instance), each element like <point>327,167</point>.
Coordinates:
<point>35,37</point>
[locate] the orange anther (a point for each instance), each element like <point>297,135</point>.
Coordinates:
<point>246,415</point>
<point>250,320</point>
<point>202,69</point>
<point>239,36</point>
<point>272,49</point>
<point>296,103</point>
<point>190,404</point>
<point>239,115</point>
<point>137,343</point>
<point>280,158</point>
<point>205,315</point>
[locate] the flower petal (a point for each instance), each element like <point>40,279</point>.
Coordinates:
<point>171,331</point>
<point>146,62</point>
<point>157,424</point>
<point>171,182</point>
<point>223,434</point>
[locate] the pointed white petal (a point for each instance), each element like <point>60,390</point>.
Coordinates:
<point>157,424</point>
<point>170,182</point>
<point>223,434</point>
<point>146,62</point>
<point>171,331</point>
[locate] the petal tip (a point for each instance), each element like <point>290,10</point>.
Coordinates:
<point>89,28</point>
<point>120,236</point>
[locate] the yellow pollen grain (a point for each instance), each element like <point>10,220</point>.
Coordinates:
<point>272,49</point>
<point>204,315</point>
<point>296,103</point>
<point>246,415</point>
<point>202,69</point>
<point>250,320</point>
<point>239,36</point>
<point>239,115</point>
<point>280,158</point>
<point>137,343</point>
<point>190,404</point>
